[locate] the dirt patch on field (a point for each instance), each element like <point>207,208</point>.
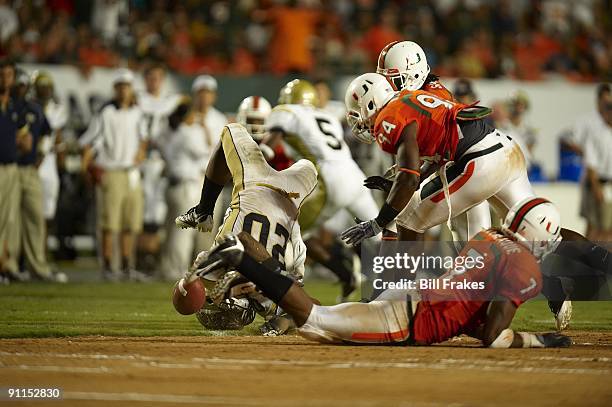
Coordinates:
<point>244,371</point>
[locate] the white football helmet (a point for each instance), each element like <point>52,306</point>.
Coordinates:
<point>252,113</point>
<point>404,64</point>
<point>365,96</point>
<point>536,224</point>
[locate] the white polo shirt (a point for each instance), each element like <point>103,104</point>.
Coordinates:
<point>598,147</point>
<point>157,109</point>
<point>115,135</point>
<point>212,123</point>
<point>187,153</point>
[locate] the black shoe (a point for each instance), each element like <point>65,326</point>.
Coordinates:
<point>227,254</point>
<point>554,340</point>
<point>194,220</point>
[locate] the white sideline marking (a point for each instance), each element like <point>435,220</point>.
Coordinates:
<point>573,359</point>
<point>141,361</point>
<point>62,369</point>
<point>238,401</point>
<point>96,356</point>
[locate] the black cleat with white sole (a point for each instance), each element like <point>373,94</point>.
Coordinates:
<point>227,254</point>
<point>194,220</point>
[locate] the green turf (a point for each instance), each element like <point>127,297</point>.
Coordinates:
<point>43,310</point>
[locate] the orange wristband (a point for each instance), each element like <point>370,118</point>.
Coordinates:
<point>409,171</point>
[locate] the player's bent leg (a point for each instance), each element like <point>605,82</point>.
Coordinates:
<point>498,171</point>
<point>376,322</point>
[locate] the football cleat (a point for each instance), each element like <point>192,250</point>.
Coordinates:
<point>193,220</point>
<point>277,326</point>
<point>227,254</point>
<point>223,286</point>
<point>563,313</point>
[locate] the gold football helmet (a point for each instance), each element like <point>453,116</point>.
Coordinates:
<point>298,92</point>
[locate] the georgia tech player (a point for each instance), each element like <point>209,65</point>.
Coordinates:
<point>405,66</point>
<point>507,276</point>
<point>314,134</point>
<point>265,203</point>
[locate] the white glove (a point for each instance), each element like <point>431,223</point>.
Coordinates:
<point>361,231</point>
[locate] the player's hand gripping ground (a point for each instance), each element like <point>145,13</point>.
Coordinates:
<point>555,340</point>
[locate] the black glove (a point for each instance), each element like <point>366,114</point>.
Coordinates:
<point>554,340</point>
<point>378,182</point>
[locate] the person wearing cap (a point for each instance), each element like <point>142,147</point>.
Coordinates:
<point>113,147</point>
<point>15,140</point>
<point>28,234</point>
<point>212,121</point>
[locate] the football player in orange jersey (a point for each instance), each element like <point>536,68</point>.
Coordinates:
<point>405,66</point>
<point>474,161</point>
<point>507,275</point>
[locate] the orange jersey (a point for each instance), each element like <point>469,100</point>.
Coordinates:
<point>500,267</point>
<point>437,133</point>
<point>438,89</point>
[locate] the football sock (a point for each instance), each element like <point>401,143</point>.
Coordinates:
<point>208,197</point>
<point>267,276</point>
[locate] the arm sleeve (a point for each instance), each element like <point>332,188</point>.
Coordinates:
<point>281,119</point>
<point>93,131</point>
<point>590,153</point>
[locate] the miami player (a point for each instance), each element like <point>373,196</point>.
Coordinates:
<point>405,66</point>
<point>509,275</point>
<point>473,161</point>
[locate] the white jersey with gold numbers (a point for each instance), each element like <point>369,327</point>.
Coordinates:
<point>317,136</point>
<point>266,202</point>
<point>311,133</point>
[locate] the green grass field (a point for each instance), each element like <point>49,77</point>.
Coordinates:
<point>44,310</point>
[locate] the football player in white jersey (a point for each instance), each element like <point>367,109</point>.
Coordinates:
<point>265,203</point>
<point>318,136</point>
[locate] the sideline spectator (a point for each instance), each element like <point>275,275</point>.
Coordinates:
<point>14,141</point>
<point>156,106</point>
<point>51,147</point>
<point>28,233</point>
<point>117,138</point>
<point>187,155</point>
<point>522,132</point>
<point>597,198</point>
<point>204,93</point>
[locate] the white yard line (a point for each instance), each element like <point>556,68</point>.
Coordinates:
<point>140,361</point>
<point>238,401</point>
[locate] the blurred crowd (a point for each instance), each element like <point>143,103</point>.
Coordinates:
<point>526,39</point>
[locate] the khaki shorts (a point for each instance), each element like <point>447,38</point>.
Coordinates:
<point>598,215</point>
<point>9,199</point>
<point>120,201</point>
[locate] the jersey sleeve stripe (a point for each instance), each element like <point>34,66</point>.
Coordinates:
<point>406,100</point>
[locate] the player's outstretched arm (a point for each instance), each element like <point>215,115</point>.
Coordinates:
<point>405,184</point>
<point>258,266</point>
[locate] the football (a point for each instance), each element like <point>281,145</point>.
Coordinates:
<point>188,297</point>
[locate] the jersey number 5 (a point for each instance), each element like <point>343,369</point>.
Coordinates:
<point>330,138</point>
<point>278,251</point>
